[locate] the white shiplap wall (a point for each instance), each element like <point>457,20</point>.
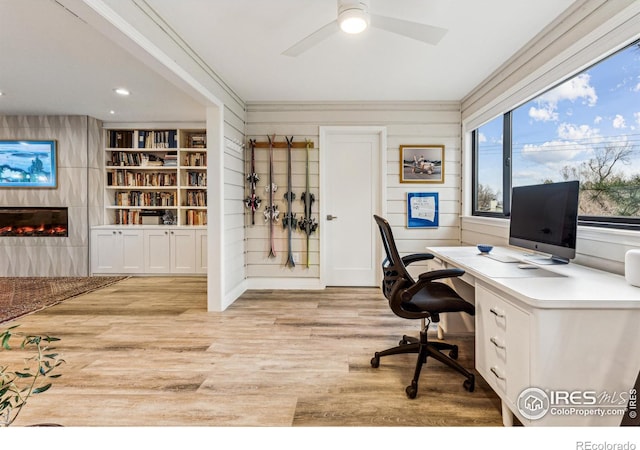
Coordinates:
<point>587,32</point>
<point>405,122</point>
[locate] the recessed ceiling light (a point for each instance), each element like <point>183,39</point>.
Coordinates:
<point>1,93</point>
<point>121,91</point>
<point>112,112</point>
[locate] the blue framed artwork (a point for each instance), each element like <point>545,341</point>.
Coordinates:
<point>422,210</point>
<point>29,164</point>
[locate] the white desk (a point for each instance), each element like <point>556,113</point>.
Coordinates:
<point>559,328</point>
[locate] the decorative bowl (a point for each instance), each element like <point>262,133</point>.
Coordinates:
<point>484,248</point>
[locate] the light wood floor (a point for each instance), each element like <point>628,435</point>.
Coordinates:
<point>144,352</point>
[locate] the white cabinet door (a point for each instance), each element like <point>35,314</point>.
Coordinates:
<point>132,243</point>
<point>106,252</point>
<point>183,251</point>
<point>201,251</point>
<point>116,250</point>
<point>157,255</point>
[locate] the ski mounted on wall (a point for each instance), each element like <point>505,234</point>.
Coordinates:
<point>307,223</point>
<point>289,220</point>
<point>253,201</point>
<point>271,213</point>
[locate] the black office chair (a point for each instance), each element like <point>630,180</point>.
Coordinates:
<point>425,300</point>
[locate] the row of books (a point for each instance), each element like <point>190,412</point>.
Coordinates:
<point>197,140</point>
<point>121,139</point>
<point>197,179</point>
<point>171,159</point>
<point>138,198</point>
<point>129,178</point>
<point>196,198</point>
<point>196,217</point>
<point>154,139</point>
<point>195,159</point>
<point>157,139</point>
<point>127,217</point>
<point>134,159</point>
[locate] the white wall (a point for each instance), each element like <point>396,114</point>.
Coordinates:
<point>406,123</point>
<point>585,34</point>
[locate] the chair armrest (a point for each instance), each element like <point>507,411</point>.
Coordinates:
<point>442,273</point>
<point>416,257</point>
<point>428,277</point>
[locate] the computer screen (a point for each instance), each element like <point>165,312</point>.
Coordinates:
<point>544,218</point>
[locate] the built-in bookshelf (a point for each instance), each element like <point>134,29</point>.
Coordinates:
<point>156,176</point>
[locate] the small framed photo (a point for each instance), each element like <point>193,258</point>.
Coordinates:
<point>28,164</point>
<point>422,210</point>
<point>422,164</point>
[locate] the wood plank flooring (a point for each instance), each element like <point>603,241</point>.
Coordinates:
<point>145,352</point>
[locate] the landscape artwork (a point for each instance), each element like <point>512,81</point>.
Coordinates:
<point>30,164</point>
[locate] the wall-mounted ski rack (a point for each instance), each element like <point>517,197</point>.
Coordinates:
<point>302,144</point>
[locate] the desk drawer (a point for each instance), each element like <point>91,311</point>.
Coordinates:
<point>502,344</point>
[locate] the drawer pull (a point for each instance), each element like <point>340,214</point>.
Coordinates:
<point>498,376</point>
<point>497,312</point>
<point>495,342</point>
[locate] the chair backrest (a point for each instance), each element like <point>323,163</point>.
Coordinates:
<point>393,268</point>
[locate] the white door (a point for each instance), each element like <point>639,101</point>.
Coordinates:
<point>352,186</point>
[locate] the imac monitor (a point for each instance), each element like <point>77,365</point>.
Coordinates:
<point>544,218</point>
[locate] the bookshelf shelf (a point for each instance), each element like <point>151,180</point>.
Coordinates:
<point>155,172</point>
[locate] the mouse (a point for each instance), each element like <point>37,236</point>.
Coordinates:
<point>527,266</point>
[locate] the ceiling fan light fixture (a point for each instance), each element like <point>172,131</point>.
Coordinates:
<point>354,19</point>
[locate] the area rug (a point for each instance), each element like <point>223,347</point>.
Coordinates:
<point>20,296</point>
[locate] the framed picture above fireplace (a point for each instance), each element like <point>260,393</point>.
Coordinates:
<point>28,164</point>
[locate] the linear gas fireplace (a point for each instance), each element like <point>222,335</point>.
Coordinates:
<point>33,221</point>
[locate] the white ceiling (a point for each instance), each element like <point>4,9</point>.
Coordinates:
<point>56,63</point>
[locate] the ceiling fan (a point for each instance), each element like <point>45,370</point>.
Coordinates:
<point>354,17</point>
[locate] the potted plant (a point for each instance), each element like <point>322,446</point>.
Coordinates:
<point>34,376</point>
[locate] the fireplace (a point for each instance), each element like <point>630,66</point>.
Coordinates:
<point>33,221</point>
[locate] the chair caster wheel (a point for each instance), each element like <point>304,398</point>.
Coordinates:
<point>469,383</point>
<point>403,341</point>
<point>411,391</point>
<point>453,353</point>
<point>375,362</point>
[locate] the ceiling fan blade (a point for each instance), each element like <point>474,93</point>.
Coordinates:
<point>313,39</point>
<point>419,31</point>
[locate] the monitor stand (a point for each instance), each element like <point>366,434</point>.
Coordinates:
<point>545,260</point>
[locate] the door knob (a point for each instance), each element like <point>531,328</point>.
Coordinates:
<point>330,217</point>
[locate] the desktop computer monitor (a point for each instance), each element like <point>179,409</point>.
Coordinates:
<point>544,218</point>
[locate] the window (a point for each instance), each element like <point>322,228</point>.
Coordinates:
<point>586,128</point>
<point>488,145</point>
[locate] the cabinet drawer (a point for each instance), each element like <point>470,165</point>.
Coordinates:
<point>502,344</point>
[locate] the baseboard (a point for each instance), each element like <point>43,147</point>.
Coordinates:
<point>234,294</point>
<point>284,283</point>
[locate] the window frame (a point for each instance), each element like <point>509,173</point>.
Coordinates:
<point>614,222</point>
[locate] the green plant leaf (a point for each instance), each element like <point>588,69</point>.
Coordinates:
<point>23,375</point>
<point>5,341</point>
<point>42,388</point>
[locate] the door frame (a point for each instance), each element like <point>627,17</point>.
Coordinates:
<point>324,166</point>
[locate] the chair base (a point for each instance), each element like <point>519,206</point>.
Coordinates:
<point>426,348</point>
